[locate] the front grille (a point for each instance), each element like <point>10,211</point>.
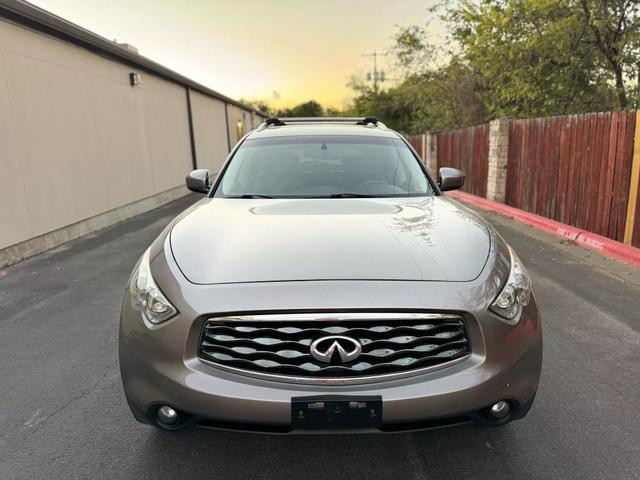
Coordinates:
<point>281,344</point>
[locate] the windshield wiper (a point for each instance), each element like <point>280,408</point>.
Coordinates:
<point>249,195</point>
<point>350,195</point>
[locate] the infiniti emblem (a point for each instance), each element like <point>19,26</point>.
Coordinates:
<point>324,349</point>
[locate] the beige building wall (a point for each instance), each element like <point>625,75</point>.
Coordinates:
<point>209,131</point>
<point>236,114</point>
<point>77,139</point>
<point>81,148</point>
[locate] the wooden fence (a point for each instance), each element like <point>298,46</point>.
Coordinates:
<point>581,170</point>
<point>417,142</point>
<point>574,169</point>
<point>468,150</point>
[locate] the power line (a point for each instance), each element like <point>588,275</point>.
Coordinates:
<point>378,75</point>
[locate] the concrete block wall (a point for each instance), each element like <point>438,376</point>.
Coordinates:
<point>498,158</point>
<point>431,153</point>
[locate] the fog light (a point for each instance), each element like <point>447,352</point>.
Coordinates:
<point>167,415</point>
<point>500,409</point>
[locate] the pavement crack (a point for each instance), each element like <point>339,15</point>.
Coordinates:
<point>34,423</point>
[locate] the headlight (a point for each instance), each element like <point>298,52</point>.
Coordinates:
<point>515,294</point>
<point>146,297</point>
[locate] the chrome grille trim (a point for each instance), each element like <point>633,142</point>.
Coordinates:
<point>272,346</point>
<point>337,317</point>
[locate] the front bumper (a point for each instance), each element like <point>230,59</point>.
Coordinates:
<point>159,364</point>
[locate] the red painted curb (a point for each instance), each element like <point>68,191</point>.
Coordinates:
<point>589,240</point>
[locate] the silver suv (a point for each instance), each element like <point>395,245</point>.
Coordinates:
<point>326,284</point>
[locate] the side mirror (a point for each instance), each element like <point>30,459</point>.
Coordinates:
<point>198,180</point>
<point>450,178</point>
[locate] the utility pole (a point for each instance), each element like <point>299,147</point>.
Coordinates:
<point>378,76</point>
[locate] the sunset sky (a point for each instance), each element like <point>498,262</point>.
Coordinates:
<point>301,49</point>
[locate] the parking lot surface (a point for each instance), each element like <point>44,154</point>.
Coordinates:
<point>63,414</point>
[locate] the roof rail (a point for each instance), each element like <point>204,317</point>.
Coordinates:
<point>280,122</point>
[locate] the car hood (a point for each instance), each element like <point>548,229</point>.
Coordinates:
<point>261,240</point>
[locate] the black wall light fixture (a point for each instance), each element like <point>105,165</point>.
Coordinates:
<point>134,79</point>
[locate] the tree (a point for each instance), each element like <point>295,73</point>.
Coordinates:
<point>447,98</point>
<point>259,105</point>
<point>393,106</point>
<point>430,97</point>
<point>446,94</point>
<point>440,99</point>
<point>512,58</point>
<point>615,25</point>
<point>306,109</point>
<point>545,57</point>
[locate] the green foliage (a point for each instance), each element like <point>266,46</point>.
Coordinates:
<point>259,105</point>
<point>542,57</point>
<point>513,58</point>
<point>448,98</point>
<point>412,48</point>
<point>506,58</point>
<point>441,99</point>
<point>393,106</point>
<point>306,109</point>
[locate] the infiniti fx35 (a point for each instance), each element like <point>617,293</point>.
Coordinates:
<point>323,284</point>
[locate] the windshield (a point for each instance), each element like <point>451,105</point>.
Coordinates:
<point>323,167</point>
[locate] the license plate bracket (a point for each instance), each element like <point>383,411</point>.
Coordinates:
<point>335,412</point>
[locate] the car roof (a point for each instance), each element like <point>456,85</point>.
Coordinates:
<point>321,128</point>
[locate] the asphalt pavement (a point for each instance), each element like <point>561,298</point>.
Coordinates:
<point>63,414</point>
